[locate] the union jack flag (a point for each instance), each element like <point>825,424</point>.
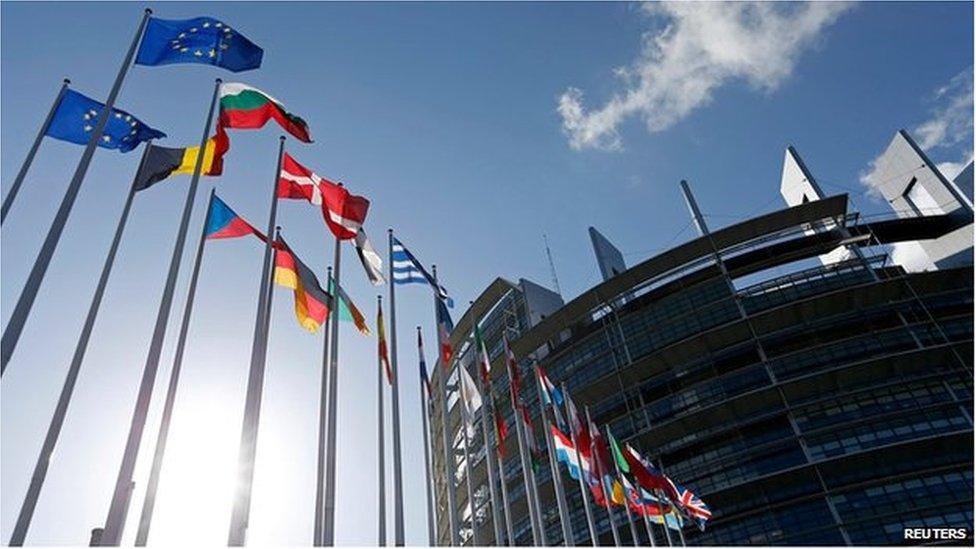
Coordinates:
<point>692,505</point>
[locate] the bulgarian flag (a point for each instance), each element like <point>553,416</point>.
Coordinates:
<point>246,107</point>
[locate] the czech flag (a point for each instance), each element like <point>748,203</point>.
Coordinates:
<point>223,222</point>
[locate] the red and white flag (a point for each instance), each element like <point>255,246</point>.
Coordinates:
<point>344,213</point>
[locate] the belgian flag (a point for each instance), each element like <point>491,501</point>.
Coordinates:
<point>162,162</point>
<point>312,303</point>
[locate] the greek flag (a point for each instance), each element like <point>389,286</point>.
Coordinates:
<point>407,270</point>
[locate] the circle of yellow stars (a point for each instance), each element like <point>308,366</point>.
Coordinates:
<point>224,34</point>
<point>92,114</point>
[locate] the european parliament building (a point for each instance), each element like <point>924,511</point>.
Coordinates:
<point>784,368</point>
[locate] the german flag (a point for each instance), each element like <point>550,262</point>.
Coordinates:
<point>162,162</point>
<point>312,303</point>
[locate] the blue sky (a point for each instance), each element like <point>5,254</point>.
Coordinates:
<point>448,117</point>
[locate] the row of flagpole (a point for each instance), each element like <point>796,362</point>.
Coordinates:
<point>325,502</point>
<point>525,440</point>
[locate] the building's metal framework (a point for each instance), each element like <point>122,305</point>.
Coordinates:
<point>806,403</point>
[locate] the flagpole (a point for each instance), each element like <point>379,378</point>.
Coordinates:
<point>15,186</point>
<point>674,509</point>
<point>57,422</point>
<point>115,522</point>
<point>608,498</point>
<point>594,538</point>
<point>174,379</point>
<point>568,539</point>
<point>534,493</point>
<point>620,475</point>
<point>664,518</point>
<point>630,518</point>
<point>510,533</point>
<point>527,480</point>
<point>255,377</point>
<point>11,334</point>
<point>328,529</point>
<point>381,481</point>
<point>467,453</point>
<point>398,534</point>
<point>495,517</point>
<point>424,411</point>
<point>448,447</point>
<point>647,522</point>
<point>323,426</point>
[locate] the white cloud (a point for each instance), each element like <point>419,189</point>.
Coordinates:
<point>951,169</point>
<point>950,124</point>
<point>911,256</point>
<point>702,46</point>
<point>951,121</point>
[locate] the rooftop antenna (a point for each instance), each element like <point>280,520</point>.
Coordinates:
<point>552,266</point>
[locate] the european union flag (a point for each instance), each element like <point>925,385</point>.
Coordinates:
<point>75,119</point>
<point>201,40</point>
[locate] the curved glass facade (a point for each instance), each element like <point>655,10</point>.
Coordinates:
<point>807,405</point>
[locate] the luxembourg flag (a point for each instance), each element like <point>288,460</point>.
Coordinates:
<point>566,453</point>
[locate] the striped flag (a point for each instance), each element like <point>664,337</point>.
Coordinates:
<point>344,212</point>
<point>551,395</point>
<point>470,397</point>
<point>348,310</point>
<point>423,365</point>
<point>444,328</point>
<point>407,270</point>
<point>484,363</point>
<point>372,262</point>
<point>381,343</point>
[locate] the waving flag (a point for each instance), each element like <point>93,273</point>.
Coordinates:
<point>646,504</point>
<point>348,310</point>
<point>444,328</point>
<point>162,162</point>
<point>576,424</point>
<point>514,377</point>
<point>691,504</point>
<point>407,270</point>
<point>501,428</point>
<point>75,118</point>
<point>648,477</point>
<point>311,301</point>
<point>550,395</point>
<point>246,107</point>
<point>534,450</point>
<point>470,398</point>
<point>381,344</point>
<point>372,262</point>
<point>423,365</point>
<point>223,222</point>
<point>344,213</point>
<point>484,363</point>
<point>601,457</point>
<point>200,40</point>
<point>566,452</point>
